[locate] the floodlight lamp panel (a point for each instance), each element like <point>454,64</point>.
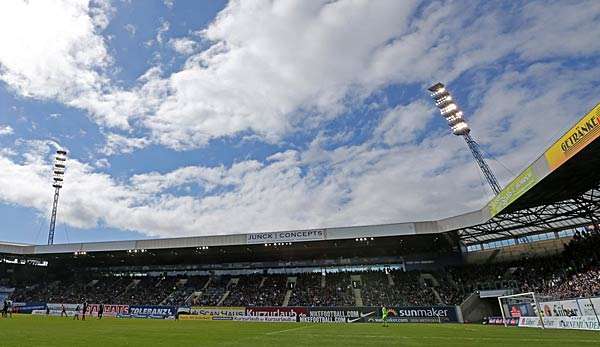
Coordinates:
<point>461,128</point>
<point>443,101</point>
<point>436,87</point>
<point>448,109</point>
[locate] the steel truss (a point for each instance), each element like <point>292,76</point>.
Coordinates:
<point>487,172</point>
<point>53,216</point>
<point>583,210</point>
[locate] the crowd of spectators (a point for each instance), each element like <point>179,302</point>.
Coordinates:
<point>574,273</point>
<point>257,290</point>
<point>396,289</point>
<point>152,290</point>
<point>314,289</point>
<point>185,289</point>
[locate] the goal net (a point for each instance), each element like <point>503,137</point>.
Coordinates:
<point>522,306</point>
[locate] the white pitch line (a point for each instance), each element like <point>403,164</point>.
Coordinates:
<point>456,338</point>
<point>286,330</point>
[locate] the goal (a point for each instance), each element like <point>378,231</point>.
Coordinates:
<point>522,305</point>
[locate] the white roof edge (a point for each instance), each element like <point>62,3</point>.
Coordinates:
<point>332,233</point>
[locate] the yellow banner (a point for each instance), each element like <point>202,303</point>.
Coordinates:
<point>583,133</point>
<point>195,317</point>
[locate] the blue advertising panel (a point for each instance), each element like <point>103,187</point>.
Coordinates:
<point>157,312</point>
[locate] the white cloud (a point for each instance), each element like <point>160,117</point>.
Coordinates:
<point>102,163</point>
<point>183,45</point>
<point>403,123</point>
<point>523,111</point>
<point>38,69</point>
<point>131,29</point>
<point>302,66</point>
<point>257,77</point>
<point>116,144</point>
<point>308,62</point>
<point>360,185</point>
<point>169,3</point>
<point>6,130</point>
<point>164,27</point>
<point>70,69</point>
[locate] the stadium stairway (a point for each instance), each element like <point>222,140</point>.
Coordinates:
<point>179,287</point>
<point>225,295</point>
<point>207,283</point>
<point>358,300</point>
<point>358,296</point>
<point>291,283</point>
<point>438,298</point>
<point>286,299</point>
<point>390,279</point>
<point>425,277</point>
<point>474,309</point>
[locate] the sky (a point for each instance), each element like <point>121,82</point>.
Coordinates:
<point>201,118</point>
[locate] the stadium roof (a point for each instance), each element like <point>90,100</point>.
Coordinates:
<point>559,190</point>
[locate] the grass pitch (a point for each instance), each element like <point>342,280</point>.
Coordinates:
<point>24,330</point>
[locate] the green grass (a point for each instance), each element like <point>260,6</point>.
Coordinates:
<point>52,331</point>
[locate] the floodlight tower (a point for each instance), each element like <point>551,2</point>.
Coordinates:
<point>59,172</point>
<point>452,113</point>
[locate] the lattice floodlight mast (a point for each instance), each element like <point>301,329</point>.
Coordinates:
<point>58,178</point>
<point>452,113</point>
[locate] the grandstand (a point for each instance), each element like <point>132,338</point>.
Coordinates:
<point>540,233</point>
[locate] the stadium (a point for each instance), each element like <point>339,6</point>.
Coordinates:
<point>529,258</point>
<point>270,173</point>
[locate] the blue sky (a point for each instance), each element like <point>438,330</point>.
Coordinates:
<point>213,117</point>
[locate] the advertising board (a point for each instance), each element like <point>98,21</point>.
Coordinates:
<point>349,314</point>
<point>277,311</point>
<point>28,307</point>
<point>513,190</point>
<point>561,308</point>
<point>583,133</point>
<point>500,321</point>
<point>564,322</point>
<point>217,311</point>
<point>340,314</point>
<point>156,312</point>
<point>109,310</point>
<point>286,236</point>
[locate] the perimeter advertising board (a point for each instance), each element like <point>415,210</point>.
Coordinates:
<point>277,311</point>
<point>286,236</point>
<point>583,133</point>
<point>109,310</point>
<point>340,314</point>
<point>28,307</point>
<point>589,306</point>
<point>520,310</point>
<point>421,314</point>
<point>501,321</point>
<point>562,308</point>
<point>152,311</point>
<point>348,314</point>
<point>373,314</point>
<point>217,311</point>
<point>577,322</point>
